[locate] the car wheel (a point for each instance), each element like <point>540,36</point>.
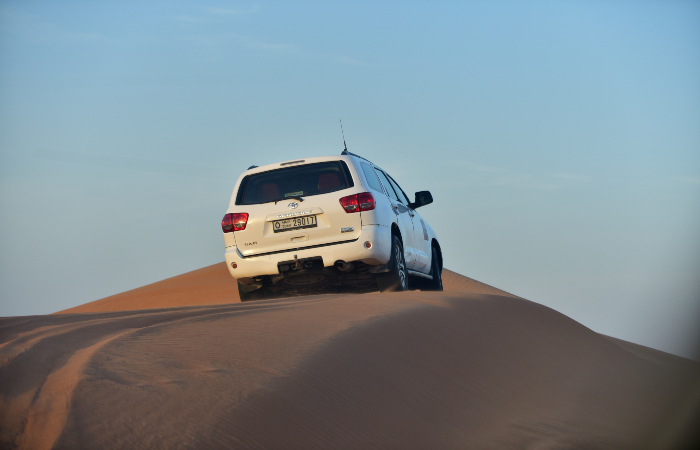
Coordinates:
<point>397,277</point>
<point>436,271</point>
<point>257,294</point>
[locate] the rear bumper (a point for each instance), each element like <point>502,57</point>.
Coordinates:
<point>266,264</point>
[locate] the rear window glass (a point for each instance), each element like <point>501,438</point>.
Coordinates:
<point>387,185</point>
<point>372,179</point>
<point>402,195</point>
<point>296,181</point>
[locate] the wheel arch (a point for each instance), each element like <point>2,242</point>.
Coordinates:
<point>435,244</point>
<point>395,231</point>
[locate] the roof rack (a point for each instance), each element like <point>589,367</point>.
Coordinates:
<point>346,152</point>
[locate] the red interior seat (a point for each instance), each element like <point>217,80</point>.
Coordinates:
<point>270,191</point>
<point>328,182</point>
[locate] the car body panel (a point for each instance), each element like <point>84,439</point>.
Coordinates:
<point>267,264</point>
<point>259,235</point>
<point>257,250</point>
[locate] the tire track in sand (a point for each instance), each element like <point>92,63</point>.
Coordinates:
<point>40,419</point>
<point>47,416</point>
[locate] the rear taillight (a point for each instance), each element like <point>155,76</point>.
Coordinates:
<point>234,222</point>
<point>366,201</point>
<point>358,202</point>
<point>350,204</point>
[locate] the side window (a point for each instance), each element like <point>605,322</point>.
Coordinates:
<point>387,184</point>
<point>402,196</point>
<point>371,176</point>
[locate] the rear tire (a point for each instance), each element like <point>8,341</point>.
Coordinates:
<point>436,271</point>
<point>397,277</point>
<point>257,294</point>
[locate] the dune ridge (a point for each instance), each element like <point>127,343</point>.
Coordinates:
<point>471,367</point>
<point>213,285</point>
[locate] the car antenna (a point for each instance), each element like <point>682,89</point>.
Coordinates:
<point>346,152</point>
<point>343,133</point>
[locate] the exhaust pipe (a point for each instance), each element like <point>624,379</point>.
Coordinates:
<point>344,266</point>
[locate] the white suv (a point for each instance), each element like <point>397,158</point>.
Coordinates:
<point>327,224</point>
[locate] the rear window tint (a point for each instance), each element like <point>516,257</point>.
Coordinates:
<point>372,179</point>
<point>402,195</point>
<point>297,181</point>
<point>387,185</point>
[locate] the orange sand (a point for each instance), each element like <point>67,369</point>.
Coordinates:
<point>181,363</point>
<point>213,285</point>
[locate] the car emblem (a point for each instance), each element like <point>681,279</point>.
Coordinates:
<point>293,205</point>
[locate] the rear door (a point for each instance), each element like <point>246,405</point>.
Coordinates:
<point>403,218</point>
<point>295,207</point>
<point>421,244</point>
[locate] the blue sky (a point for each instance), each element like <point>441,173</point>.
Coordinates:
<point>561,140</point>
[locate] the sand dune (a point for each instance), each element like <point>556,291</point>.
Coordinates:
<point>210,285</point>
<point>456,369</point>
<point>213,285</point>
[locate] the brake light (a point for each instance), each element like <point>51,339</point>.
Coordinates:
<point>366,201</point>
<point>234,222</point>
<point>350,204</point>
<point>358,202</point>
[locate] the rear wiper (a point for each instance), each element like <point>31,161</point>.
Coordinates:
<point>291,197</point>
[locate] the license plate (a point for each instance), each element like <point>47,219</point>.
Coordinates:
<point>294,224</point>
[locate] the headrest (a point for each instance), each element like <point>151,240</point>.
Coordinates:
<point>270,191</point>
<point>328,182</point>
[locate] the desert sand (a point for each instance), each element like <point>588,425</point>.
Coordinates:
<point>183,364</point>
<point>213,285</point>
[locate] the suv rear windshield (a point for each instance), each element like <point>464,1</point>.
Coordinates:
<point>297,181</point>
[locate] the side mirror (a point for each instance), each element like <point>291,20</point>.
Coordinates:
<point>422,198</point>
